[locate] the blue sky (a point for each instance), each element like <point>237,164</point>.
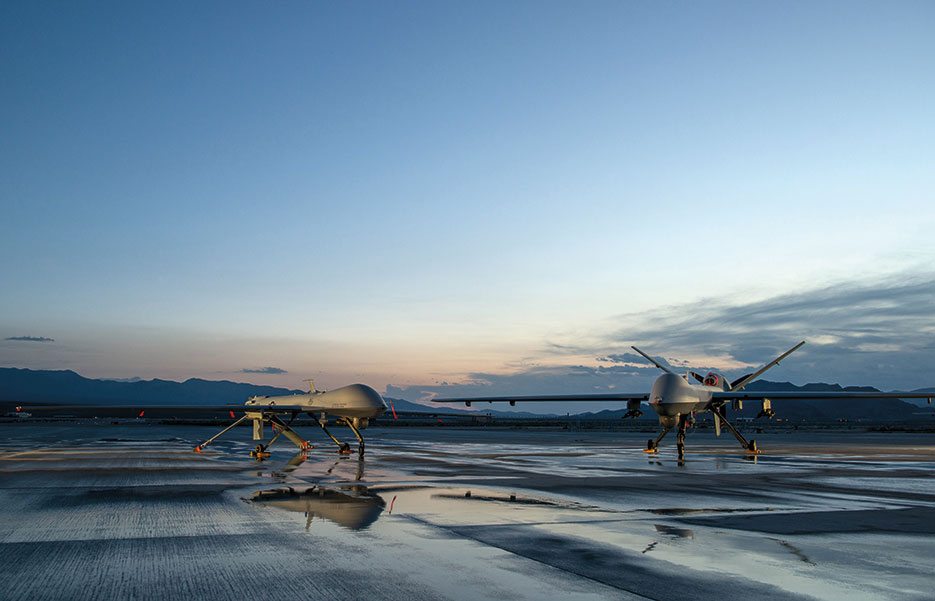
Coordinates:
<point>406,194</point>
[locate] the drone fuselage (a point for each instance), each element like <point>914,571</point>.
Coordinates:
<point>673,395</point>
<point>356,400</point>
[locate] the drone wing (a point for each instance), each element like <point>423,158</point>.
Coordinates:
<point>564,398</point>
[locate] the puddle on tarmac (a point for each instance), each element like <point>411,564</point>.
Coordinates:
<point>351,507</point>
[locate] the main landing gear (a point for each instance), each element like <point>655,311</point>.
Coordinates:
<point>343,447</point>
<point>282,428</point>
<point>748,445</point>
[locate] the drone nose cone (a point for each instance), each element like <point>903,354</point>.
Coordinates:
<point>371,397</point>
<point>667,388</point>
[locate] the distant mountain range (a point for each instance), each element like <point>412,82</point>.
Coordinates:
<point>65,387</point>
<point>24,386</point>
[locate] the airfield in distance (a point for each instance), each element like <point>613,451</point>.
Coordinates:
<point>126,510</point>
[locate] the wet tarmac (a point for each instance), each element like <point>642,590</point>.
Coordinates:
<point>129,512</point>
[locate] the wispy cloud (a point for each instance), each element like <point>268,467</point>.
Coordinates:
<point>263,370</point>
<point>872,333</point>
<point>879,333</point>
<point>878,310</point>
<point>30,339</point>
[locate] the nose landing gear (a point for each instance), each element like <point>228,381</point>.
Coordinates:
<point>680,445</point>
<point>652,446</point>
<point>260,453</point>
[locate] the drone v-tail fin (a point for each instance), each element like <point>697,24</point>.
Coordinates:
<point>743,381</point>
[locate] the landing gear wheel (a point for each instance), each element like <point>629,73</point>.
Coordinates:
<point>260,453</point>
<point>344,448</point>
<point>651,446</point>
<point>752,448</point>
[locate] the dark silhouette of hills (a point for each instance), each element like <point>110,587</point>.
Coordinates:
<point>65,387</point>
<point>24,386</point>
<point>830,409</point>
